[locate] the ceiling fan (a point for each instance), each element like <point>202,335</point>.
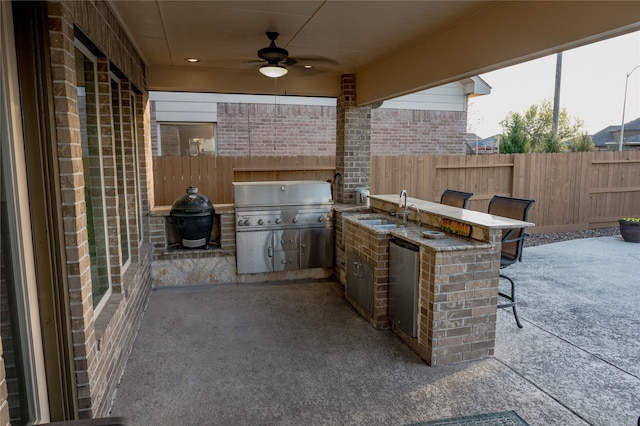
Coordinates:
<point>276,61</point>
<point>274,56</point>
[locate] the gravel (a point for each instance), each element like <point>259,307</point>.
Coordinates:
<point>555,237</point>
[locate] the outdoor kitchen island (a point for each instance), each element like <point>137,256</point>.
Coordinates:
<point>457,277</point>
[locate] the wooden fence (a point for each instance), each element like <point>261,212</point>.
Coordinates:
<point>573,191</point>
<point>213,175</point>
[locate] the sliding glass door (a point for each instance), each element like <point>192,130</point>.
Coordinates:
<point>22,351</point>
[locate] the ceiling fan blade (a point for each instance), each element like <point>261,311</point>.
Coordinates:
<point>313,61</point>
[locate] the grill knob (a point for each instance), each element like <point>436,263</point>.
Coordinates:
<point>247,222</point>
<point>320,218</point>
<point>295,220</point>
<point>278,221</point>
<point>260,221</point>
<point>240,222</point>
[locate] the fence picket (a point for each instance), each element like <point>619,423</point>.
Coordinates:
<point>573,191</point>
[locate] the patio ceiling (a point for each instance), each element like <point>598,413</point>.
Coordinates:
<point>393,47</point>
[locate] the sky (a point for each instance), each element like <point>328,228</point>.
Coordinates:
<point>592,86</point>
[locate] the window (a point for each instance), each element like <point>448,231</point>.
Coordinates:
<point>187,139</point>
<point>136,151</point>
<point>122,170</point>
<point>87,82</point>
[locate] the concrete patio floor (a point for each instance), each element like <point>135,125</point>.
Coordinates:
<point>297,354</point>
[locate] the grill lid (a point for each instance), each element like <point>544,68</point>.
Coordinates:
<point>192,204</point>
<point>281,193</point>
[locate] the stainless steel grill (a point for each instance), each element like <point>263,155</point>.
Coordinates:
<point>283,225</point>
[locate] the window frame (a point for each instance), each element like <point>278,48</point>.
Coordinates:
<point>138,173</point>
<point>213,125</point>
<point>97,308</point>
<point>121,171</point>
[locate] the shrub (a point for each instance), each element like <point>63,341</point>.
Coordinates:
<point>582,143</point>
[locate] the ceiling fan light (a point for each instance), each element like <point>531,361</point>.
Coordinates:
<point>273,71</point>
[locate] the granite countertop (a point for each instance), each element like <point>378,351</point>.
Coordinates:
<point>349,208</point>
<point>470,217</point>
<point>448,242</point>
<point>413,233</point>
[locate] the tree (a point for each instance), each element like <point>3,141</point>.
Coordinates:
<point>514,139</point>
<point>537,124</point>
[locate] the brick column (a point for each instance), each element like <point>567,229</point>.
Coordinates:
<point>353,141</point>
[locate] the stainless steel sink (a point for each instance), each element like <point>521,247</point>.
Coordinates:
<point>379,223</point>
<point>375,222</point>
<point>386,226</point>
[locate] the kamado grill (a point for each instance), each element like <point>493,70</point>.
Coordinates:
<point>283,225</point>
<point>192,215</point>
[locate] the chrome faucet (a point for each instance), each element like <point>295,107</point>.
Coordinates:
<point>405,215</point>
<point>418,213</point>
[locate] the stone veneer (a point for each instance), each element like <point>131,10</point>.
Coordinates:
<point>177,267</point>
<point>216,265</point>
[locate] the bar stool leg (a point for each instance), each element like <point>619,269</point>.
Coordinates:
<point>512,300</point>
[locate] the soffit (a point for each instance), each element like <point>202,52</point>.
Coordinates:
<point>393,47</point>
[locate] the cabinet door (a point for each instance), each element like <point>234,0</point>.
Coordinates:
<point>254,252</point>
<point>285,239</point>
<point>316,248</point>
<point>285,260</point>
<point>359,285</point>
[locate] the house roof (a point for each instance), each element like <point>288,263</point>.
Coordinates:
<point>607,135</point>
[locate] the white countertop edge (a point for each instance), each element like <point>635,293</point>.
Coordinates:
<point>470,217</point>
<point>164,210</point>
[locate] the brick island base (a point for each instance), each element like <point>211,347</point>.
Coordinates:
<point>458,279</point>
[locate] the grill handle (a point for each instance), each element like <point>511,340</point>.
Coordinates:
<point>270,251</point>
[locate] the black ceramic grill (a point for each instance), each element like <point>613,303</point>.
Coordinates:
<point>192,215</point>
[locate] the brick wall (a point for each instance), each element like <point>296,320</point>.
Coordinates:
<point>263,129</point>
<point>373,248</point>
<point>416,132</point>
<point>458,299</point>
<point>353,141</point>
<point>164,238</point>
<point>100,343</point>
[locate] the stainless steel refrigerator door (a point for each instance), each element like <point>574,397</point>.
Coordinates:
<point>403,285</point>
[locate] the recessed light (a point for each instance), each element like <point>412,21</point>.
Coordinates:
<point>192,60</point>
<point>308,67</point>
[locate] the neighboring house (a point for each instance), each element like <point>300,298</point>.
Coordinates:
<point>478,145</point>
<point>609,137</point>
<point>428,122</point>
